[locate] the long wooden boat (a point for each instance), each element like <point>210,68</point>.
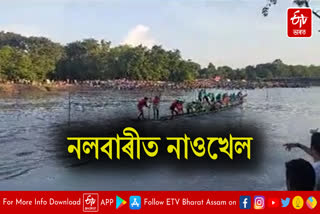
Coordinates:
<point>234,104</point>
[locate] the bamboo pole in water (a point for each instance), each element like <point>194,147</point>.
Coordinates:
<point>149,108</point>
<point>69,109</point>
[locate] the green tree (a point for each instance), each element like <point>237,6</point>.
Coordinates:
<point>226,72</point>
<point>38,58</point>
<point>15,64</point>
<point>250,73</point>
<point>208,72</point>
<point>43,53</point>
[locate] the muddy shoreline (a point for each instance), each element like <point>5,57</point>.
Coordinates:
<point>14,89</point>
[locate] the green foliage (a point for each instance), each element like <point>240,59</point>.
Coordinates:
<point>250,73</point>
<point>31,58</point>
<point>208,72</point>
<point>91,60</point>
<point>278,69</point>
<point>15,64</point>
<point>38,58</point>
<point>299,3</point>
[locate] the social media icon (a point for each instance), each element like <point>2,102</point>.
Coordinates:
<point>311,202</point>
<point>120,202</point>
<point>286,202</point>
<point>135,202</point>
<point>297,202</point>
<point>259,202</point>
<point>245,202</point>
<point>273,202</point>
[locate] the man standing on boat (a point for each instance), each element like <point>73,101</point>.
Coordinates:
<point>142,103</point>
<point>155,107</point>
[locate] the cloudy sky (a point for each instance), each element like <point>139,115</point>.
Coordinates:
<point>224,32</point>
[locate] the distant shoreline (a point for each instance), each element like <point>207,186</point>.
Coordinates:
<point>10,88</point>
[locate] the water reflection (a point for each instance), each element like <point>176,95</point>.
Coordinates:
<point>28,126</point>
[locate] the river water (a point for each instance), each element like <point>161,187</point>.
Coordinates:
<point>28,125</point>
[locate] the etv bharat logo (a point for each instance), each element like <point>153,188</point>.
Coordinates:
<point>299,21</point>
<point>90,202</point>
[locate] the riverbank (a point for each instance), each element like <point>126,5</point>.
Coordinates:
<point>196,84</point>
<point>16,89</point>
<point>21,88</point>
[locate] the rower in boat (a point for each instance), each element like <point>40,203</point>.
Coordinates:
<point>173,109</point>
<point>215,105</point>
<point>211,97</point>
<point>190,107</point>
<point>201,94</point>
<point>194,106</point>
<point>176,108</point>
<point>206,99</point>
<point>233,97</point>
<point>180,107</point>
<point>141,104</point>
<point>240,96</point>
<point>225,99</point>
<point>218,98</point>
<point>218,101</point>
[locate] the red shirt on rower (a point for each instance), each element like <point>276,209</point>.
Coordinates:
<point>180,107</point>
<point>143,103</point>
<point>174,105</point>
